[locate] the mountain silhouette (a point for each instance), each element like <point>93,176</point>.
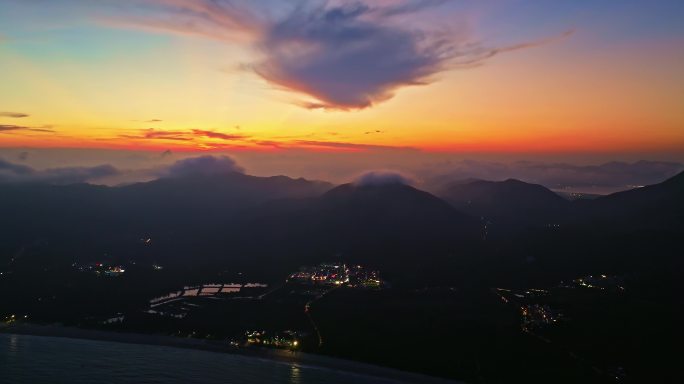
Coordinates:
<point>506,205</point>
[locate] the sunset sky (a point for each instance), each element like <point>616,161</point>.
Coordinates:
<point>457,77</point>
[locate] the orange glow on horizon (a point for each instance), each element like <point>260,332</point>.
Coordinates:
<point>560,98</point>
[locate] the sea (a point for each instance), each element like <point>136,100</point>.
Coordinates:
<point>27,359</point>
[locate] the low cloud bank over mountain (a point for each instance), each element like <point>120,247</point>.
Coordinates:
<point>17,173</point>
<point>203,165</point>
<point>380,178</point>
<point>424,170</point>
<point>603,178</point>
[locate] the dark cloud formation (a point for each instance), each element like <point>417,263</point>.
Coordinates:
<point>166,135</point>
<point>203,165</point>
<point>217,135</point>
<point>16,115</point>
<point>44,129</point>
<point>344,145</point>
<point>183,135</point>
<point>353,56</point>
<point>382,177</point>
<point>237,139</point>
<point>349,56</point>
<point>8,128</point>
<point>17,173</point>
<point>341,55</point>
<point>13,128</point>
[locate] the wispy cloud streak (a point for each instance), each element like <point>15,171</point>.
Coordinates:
<point>15,115</point>
<point>182,135</point>
<point>8,128</point>
<point>352,146</point>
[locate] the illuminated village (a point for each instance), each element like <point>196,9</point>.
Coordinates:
<point>337,274</point>
<point>100,269</point>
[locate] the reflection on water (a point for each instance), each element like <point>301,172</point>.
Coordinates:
<point>295,374</point>
<point>13,345</point>
<point>38,360</point>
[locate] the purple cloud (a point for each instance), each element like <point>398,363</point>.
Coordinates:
<point>202,165</point>
<point>339,55</point>
<point>382,177</point>
<point>349,56</point>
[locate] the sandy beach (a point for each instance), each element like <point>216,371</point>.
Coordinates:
<point>282,356</point>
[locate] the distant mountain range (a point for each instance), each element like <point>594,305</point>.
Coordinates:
<point>284,220</point>
<point>508,204</point>
<point>654,207</point>
<point>85,219</point>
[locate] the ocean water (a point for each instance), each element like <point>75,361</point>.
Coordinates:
<point>28,359</point>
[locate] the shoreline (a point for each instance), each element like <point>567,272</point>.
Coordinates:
<point>310,360</point>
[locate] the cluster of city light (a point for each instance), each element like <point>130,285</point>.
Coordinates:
<point>601,282</point>
<point>100,269</point>
<point>536,315</point>
<point>286,339</point>
<point>13,318</point>
<point>336,274</point>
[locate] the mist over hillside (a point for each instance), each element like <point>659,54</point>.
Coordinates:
<point>430,171</point>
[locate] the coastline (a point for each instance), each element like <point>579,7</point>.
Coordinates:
<point>282,356</point>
